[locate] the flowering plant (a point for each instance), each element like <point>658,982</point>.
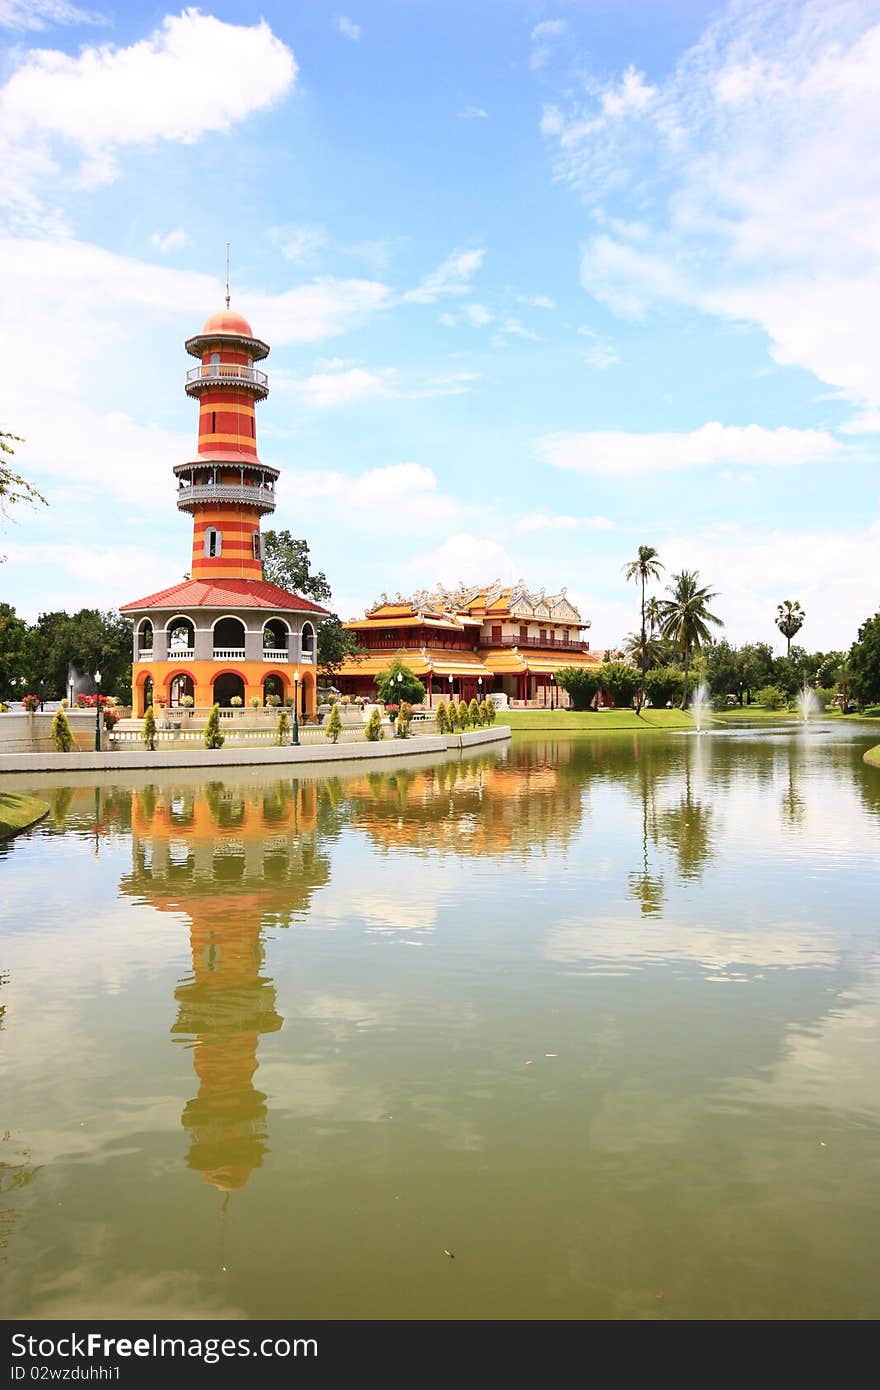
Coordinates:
<point>111,718</point>
<point>187,701</point>
<point>31,703</point>
<point>392,709</point>
<point>89,701</point>
<point>236,701</point>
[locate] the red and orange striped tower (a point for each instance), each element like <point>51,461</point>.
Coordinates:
<point>226,488</point>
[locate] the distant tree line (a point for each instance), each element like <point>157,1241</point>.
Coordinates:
<point>35,657</point>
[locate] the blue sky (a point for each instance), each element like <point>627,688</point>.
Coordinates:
<point>543,282</point>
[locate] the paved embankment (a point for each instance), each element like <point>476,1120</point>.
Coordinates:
<point>261,756</point>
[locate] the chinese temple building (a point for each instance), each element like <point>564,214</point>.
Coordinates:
<point>224,633</point>
<point>472,642</point>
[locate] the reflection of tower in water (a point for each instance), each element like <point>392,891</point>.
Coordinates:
<point>229,860</point>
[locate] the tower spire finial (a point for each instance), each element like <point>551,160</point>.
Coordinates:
<point>227,274</point>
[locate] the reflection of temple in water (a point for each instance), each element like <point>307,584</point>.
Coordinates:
<point>470,807</point>
<point>233,861</point>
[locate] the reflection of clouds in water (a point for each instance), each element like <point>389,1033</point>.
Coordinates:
<point>367,898</point>
<point>833,1064</point>
<point>172,1294</point>
<point>628,943</point>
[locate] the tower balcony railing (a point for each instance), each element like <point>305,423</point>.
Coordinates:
<point>229,653</point>
<point>180,653</point>
<point>241,493</point>
<point>275,653</point>
<point>222,373</point>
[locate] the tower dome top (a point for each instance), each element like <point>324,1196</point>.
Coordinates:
<point>228,321</point>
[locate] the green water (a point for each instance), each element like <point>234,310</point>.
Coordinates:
<point>599,1017</point>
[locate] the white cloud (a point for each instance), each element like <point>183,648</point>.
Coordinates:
<point>299,242</point>
<point>348,29</point>
<point>513,328</point>
<point>170,241</point>
<point>477,315</point>
<point>466,558</point>
<point>40,14</point>
<point>448,320</point>
<point>473,113</point>
<point>616,453</point>
<point>67,576</point>
<point>335,387</point>
<point>755,165</point>
<point>536,301</point>
<point>543,38</point>
<point>602,356</point>
<point>452,276</point>
<point>541,522</point>
<point>380,499</point>
<point>193,75</point>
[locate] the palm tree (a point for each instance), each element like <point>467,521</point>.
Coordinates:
<point>790,619</point>
<point>645,566</point>
<point>686,618</point>
<point>653,615</point>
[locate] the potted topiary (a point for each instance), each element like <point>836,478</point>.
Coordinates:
<point>31,703</point>
<point>255,702</point>
<point>236,702</point>
<point>273,701</point>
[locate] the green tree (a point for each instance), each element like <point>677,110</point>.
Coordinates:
<point>755,664</point>
<point>61,734</point>
<point>687,620</point>
<point>723,669</point>
<point>581,684</point>
<point>864,662</point>
<point>442,718</point>
<point>789,619</point>
<point>334,724</point>
<point>621,681</point>
<point>464,715</point>
<point>13,644</point>
<point>485,717</point>
<point>374,731</point>
<point>335,645</point>
<point>282,729</point>
<point>474,714</point>
<point>490,706</point>
<point>148,728</point>
<point>213,736</point>
<point>87,640</point>
<point>286,562</point>
<point>645,567</point>
<point>771,697</point>
<point>664,685</point>
<point>13,487</point>
<point>397,682</point>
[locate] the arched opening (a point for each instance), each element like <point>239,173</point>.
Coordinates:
<point>229,638</point>
<point>307,639</point>
<point>273,686</point>
<point>145,637</point>
<point>227,688</point>
<point>146,696</point>
<point>181,692</point>
<point>181,637</point>
<point>275,637</point>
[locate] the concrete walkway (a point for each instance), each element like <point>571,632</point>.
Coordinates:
<point>261,756</point>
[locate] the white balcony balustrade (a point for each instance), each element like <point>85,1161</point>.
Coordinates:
<point>180,653</point>
<point>229,653</point>
<point>275,654</point>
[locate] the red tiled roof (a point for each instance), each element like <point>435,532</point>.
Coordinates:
<point>224,593</point>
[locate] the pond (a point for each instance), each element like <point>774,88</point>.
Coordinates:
<point>597,1016</point>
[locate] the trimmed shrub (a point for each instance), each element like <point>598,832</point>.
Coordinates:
<point>664,685</point>
<point>148,729</point>
<point>474,715</point>
<point>61,735</point>
<point>581,683</point>
<point>282,729</point>
<point>273,701</point>
<point>771,697</point>
<point>255,702</point>
<point>490,705</point>
<point>443,726</point>
<point>213,736</point>
<point>374,731</point>
<point>464,717</point>
<point>334,724</point>
<point>621,682</point>
<point>404,719</point>
<point>391,689</point>
<point>236,703</point>
<point>485,716</point>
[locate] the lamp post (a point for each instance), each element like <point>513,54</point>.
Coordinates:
<point>479,690</point>
<point>294,737</point>
<point>552,691</point>
<point>97,711</point>
<point>399,682</point>
<point>449,678</point>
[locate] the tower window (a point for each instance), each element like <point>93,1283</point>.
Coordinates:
<point>258,545</point>
<point>213,422</point>
<point>213,543</point>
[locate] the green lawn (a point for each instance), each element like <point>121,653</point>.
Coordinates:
<point>18,812</point>
<point>589,721</point>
